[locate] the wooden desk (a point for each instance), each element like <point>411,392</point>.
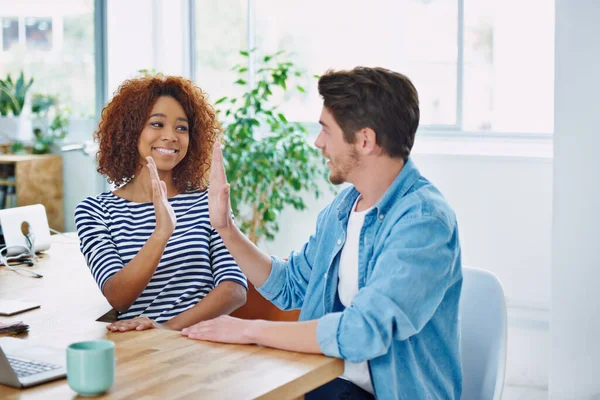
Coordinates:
<point>154,364</point>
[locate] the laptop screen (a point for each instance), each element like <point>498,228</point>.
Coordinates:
<point>18,222</point>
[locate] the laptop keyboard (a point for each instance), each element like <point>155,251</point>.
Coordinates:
<point>25,368</point>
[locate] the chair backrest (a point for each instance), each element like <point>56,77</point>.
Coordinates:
<point>483,335</point>
<point>257,307</point>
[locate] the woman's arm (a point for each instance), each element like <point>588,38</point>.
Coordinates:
<point>124,287</point>
<point>224,299</point>
<point>128,284</point>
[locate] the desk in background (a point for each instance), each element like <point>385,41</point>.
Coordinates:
<point>154,364</point>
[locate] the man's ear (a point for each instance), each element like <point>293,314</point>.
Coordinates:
<point>367,140</point>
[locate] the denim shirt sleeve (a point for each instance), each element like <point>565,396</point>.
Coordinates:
<point>286,285</point>
<point>412,272</point>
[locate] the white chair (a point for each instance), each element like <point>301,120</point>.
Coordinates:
<point>482,314</point>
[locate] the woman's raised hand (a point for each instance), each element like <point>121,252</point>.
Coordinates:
<point>165,216</point>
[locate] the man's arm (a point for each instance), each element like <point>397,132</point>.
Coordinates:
<point>255,264</point>
<point>292,336</point>
<point>409,281</point>
<point>282,283</point>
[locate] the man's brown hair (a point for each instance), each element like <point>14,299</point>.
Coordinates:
<point>375,98</point>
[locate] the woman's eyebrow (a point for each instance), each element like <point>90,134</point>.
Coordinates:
<point>164,116</point>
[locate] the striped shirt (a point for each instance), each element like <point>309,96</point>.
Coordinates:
<point>112,231</point>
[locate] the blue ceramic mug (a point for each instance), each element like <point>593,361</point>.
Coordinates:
<point>91,366</point>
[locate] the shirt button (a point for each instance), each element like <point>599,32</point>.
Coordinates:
<point>325,276</point>
<point>339,241</point>
<point>381,217</point>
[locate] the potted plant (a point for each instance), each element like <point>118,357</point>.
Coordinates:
<point>268,158</point>
<point>12,100</point>
<point>50,124</point>
<point>57,130</point>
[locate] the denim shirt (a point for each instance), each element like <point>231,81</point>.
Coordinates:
<point>404,318</point>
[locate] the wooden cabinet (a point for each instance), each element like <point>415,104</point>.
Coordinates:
<point>33,179</point>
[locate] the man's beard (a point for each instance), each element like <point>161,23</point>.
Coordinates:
<point>339,171</point>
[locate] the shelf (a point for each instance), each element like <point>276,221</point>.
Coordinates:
<point>14,158</point>
<point>34,179</point>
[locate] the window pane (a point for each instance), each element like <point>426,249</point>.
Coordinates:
<point>10,32</point>
<point>38,33</point>
<point>78,59</point>
<point>221,30</point>
<point>395,34</point>
<point>57,50</point>
<point>509,66</point>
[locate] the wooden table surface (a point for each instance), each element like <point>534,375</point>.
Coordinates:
<point>154,364</point>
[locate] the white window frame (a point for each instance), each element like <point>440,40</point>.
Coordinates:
<point>57,33</point>
<point>436,139</point>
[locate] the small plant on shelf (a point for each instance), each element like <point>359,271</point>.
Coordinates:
<point>12,94</point>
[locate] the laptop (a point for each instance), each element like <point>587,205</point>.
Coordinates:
<point>12,307</point>
<point>23,365</point>
<point>22,226</point>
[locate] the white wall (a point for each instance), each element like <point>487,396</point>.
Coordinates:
<point>144,34</point>
<point>80,178</point>
<point>575,352</point>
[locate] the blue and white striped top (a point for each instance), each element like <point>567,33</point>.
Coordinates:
<point>112,230</point>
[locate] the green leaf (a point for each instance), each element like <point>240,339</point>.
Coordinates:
<point>221,100</point>
<point>300,89</point>
<point>244,53</point>
<point>269,215</point>
<point>240,82</point>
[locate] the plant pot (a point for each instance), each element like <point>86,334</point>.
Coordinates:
<point>15,128</point>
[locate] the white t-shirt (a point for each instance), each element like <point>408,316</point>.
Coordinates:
<point>357,373</point>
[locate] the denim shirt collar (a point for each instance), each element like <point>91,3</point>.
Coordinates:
<point>401,185</point>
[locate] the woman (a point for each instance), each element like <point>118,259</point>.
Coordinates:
<point>149,244</point>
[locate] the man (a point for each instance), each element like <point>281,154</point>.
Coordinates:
<point>379,281</point>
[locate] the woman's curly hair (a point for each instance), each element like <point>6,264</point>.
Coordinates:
<point>124,118</point>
